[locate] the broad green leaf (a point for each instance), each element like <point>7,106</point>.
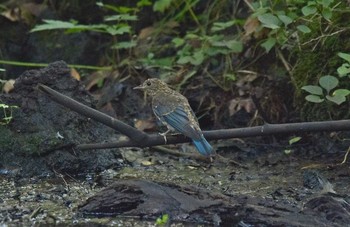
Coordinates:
<point>294,140</point>
<point>178,41</point>
<point>327,13</point>
<point>268,44</point>
<point>230,76</point>
<point>124,45</point>
<point>328,82</point>
<point>314,98</point>
<point>308,10</point>
<point>338,99</point>
<point>304,29</point>
<point>198,58</point>
<point>53,24</point>
<point>344,69</point>
<point>219,26</point>
<point>315,90</point>
<point>118,30</point>
<point>141,3</point>
<point>184,60</point>
<point>285,19</point>
<point>191,36</point>
<point>161,5</point>
<point>269,21</point>
<point>325,3</point>
<point>164,62</point>
<point>234,45</point>
<point>2,70</point>
<point>342,92</point>
<point>344,56</point>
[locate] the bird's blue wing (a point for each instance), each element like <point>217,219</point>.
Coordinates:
<point>178,119</point>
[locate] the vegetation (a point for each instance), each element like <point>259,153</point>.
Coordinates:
<point>228,42</point>
<point>7,113</point>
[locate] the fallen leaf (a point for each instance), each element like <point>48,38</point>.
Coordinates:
<point>145,124</point>
<point>8,86</point>
<point>12,14</point>
<point>251,25</point>
<point>236,105</point>
<point>146,32</point>
<point>74,73</point>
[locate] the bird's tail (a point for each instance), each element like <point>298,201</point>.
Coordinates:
<point>203,146</point>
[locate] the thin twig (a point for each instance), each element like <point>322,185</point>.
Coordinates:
<point>322,36</point>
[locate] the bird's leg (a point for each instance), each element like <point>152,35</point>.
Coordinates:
<point>164,134</point>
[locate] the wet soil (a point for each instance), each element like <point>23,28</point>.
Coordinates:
<point>45,181</point>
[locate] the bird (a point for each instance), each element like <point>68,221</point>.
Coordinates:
<point>173,110</point>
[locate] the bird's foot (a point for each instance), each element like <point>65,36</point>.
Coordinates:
<point>164,135</point>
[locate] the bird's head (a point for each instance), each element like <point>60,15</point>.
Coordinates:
<point>152,86</point>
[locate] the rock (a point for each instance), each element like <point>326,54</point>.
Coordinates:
<point>42,134</point>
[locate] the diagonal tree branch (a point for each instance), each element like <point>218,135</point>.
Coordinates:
<point>131,132</point>
<point>138,138</point>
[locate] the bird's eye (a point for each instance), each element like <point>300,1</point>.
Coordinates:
<point>148,83</point>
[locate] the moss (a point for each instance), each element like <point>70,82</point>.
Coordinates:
<point>6,139</point>
<point>26,144</point>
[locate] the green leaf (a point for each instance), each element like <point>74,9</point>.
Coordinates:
<point>53,24</point>
<point>230,76</point>
<point>344,69</point>
<point>268,44</point>
<point>124,45</point>
<point>198,58</point>
<point>328,82</point>
<point>344,56</point>
<point>184,60</point>
<point>269,21</point>
<point>141,3</point>
<point>164,62</point>
<point>325,3</point>
<point>308,10</point>
<point>327,13</point>
<point>4,106</point>
<point>234,45</point>
<point>294,140</point>
<point>192,36</point>
<point>161,5</point>
<point>125,17</point>
<point>118,30</point>
<point>178,41</point>
<point>315,90</point>
<point>304,28</point>
<point>288,151</point>
<point>338,99</point>
<point>314,98</point>
<point>162,220</point>
<point>285,19</point>
<point>219,26</point>
<point>123,9</point>
<point>342,92</point>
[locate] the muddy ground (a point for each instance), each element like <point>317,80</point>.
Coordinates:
<point>44,180</point>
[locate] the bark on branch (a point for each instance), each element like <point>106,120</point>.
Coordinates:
<point>138,138</point>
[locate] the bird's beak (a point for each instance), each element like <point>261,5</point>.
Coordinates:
<point>141,87</point>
